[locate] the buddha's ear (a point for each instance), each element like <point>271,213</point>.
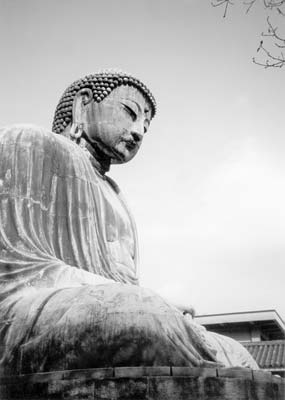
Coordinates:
<point>85,95</point>
<point>81,99</point>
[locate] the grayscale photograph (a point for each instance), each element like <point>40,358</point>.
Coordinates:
<point>142,200</point>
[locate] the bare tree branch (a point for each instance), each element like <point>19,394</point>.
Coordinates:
<point>272,32</point>
<point>272,60</point>
<point>225,3</point>
<point>273,39</point>
<point>249,5</point>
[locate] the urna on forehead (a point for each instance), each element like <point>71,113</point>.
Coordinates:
<point>101,84</point>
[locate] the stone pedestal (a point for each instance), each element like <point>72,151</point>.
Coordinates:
<point>145,383</point>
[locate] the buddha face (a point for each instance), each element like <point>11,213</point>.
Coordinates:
<point>118,124</point>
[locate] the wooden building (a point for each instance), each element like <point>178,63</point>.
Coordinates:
<point>262,333</point>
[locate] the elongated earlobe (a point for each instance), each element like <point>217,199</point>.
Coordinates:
<point>76,130</point>
<point>82,99</point>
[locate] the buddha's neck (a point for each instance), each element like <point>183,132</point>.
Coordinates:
<point>98,159</point>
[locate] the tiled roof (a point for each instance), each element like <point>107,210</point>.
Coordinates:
<point>268,354</point>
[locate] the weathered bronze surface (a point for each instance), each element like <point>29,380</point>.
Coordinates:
<point>145,383</point>
<point>68,263</point>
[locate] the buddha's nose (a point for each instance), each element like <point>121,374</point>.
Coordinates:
<point>137,131</point>
<point>137,136</point>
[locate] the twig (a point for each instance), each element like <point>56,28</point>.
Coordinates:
<point>272,61</point>
<point>226,3</point>
<point>272,32</point>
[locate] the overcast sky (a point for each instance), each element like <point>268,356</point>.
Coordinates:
<point>207,189</point>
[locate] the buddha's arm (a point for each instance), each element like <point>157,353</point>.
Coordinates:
<point>20,268</point>
<point>49,216</point>
<point>66,275</point>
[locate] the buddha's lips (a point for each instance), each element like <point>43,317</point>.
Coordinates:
<point>130,144</point>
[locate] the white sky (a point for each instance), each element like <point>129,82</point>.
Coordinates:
<point>208,188</point>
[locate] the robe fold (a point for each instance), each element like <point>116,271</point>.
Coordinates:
<point>69,294</point>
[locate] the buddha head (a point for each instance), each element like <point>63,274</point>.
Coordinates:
<point>109,112</point>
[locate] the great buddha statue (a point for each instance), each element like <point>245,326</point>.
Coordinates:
<point>69,291</point>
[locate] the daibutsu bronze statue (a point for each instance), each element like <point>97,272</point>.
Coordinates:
<point>69,291</point>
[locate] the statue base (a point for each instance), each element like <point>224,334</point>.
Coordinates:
<point>145,383</point>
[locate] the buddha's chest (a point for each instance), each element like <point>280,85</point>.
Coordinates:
<point>118,226</point>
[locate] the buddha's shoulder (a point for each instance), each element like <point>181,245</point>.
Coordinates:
<point>33,147</point>
<point>22,135</point>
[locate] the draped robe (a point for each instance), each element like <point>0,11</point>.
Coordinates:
<point>69,294</point>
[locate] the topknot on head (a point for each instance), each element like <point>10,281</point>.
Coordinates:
<point>101,83</point>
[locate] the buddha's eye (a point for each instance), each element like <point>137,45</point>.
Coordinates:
<point>130,112</point>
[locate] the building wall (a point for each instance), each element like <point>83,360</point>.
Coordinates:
<point>240,334</point>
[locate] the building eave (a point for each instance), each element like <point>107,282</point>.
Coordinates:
<point>242,317</point>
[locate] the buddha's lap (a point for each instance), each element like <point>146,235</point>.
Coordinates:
<point>110,309</point>
<point>107,325</point>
